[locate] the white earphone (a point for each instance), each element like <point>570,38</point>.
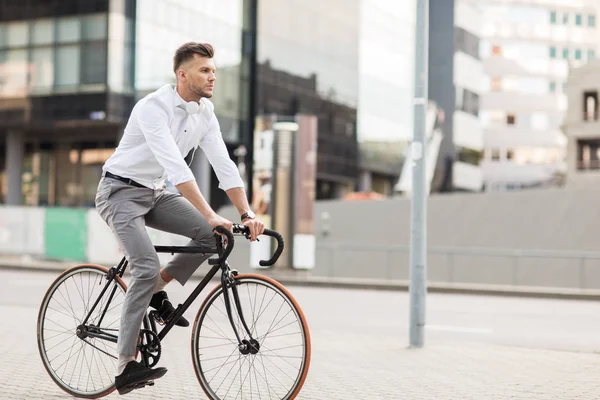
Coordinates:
<point>194,108</point>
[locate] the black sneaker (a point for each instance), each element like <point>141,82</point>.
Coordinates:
<point>160,302</point>
<point>136,375</point>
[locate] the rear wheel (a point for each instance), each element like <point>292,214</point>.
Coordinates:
<point>81,365</point>
<point>275,366</point>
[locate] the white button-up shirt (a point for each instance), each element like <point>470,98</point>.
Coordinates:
<point>160,133</point>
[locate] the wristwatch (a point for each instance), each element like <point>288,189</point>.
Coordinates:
<point>248,215</point>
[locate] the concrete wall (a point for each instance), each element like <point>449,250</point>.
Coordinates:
<point>540,238</point>
<point>535,238</point>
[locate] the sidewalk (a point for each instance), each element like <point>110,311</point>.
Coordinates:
<point>303,278</point>
<point>358,352</point>
<point>353,366</point>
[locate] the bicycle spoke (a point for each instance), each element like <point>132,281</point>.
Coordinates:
<point>278,322</point>
<point>273,375</point>
<point>283,358</point>
<point>68,357</point>
<point>275,330</point>
<point>80,369</point>
<point>245,377</point>
<point>275,370</point>
<point>70,306</point>
<point>236,374</point>
<point>228,372</point>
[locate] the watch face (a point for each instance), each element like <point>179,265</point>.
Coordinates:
<point>250,214</point>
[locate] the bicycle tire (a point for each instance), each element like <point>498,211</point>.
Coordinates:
<point>210,300</point>
<point>41,320</point>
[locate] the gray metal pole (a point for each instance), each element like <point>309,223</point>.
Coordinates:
<point>418,233</point>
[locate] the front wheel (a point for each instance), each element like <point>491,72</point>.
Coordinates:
<point>279,367</point>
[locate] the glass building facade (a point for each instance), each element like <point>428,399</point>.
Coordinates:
<point>70,72</point>
<point>350,62</point>
<point>61,102</point>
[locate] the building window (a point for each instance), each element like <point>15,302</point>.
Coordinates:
<point>495,154</point>
<point>14,81</point>
<point>552,52</point>
<point>510,154</point>
<point>565,54</point>
<point>18,34</point>
<point>94,27</point>
<point>94,63</point>
<point>467,101</point>
<point>470,156</point>
<point>591,55</point>
<point>67,66</point>
<point>578,19</point>
<point>591,21</point>
<point>588,154</point>
<point>496,50</point>
<point>42,75</point>
<point>553,17</point>
<point>496,84</point>
<point>68,30</point>
<point>3,34</point>
<point>590,105</point>
<point>577,54</point>
<point>565,18</point>
<point>511,119</point>
<point>42,32</point>
<point>552,87</point>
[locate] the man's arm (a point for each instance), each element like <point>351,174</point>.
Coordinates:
<point>228,174</point>
<point>190,191</point>
<point>237,195</point>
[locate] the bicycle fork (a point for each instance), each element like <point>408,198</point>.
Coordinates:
<point>246,346</point>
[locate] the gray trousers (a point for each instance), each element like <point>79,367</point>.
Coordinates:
<point>128,210</point>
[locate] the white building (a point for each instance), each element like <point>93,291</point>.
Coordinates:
<point>527,48</point>
<point>456,79</point>
<point>582,126</point>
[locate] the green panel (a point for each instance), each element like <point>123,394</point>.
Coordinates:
<point>66,233</point>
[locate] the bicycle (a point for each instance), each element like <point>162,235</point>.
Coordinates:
<point>90,325</point>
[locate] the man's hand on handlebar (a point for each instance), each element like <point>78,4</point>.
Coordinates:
<point>256,228</point>
<point>217,220</point>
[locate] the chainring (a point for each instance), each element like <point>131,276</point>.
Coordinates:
<point>150,349</point>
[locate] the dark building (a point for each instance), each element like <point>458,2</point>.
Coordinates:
<point>71,70</point>
<point>284,94</point>
<point>455,76</point>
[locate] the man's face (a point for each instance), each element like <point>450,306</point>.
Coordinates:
<point>200,76</point>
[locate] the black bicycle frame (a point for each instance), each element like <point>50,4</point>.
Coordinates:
<point>148,322</point>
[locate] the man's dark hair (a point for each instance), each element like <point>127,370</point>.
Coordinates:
<point>187,50</point>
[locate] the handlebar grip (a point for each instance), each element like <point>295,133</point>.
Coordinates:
<point>228,248</point>
<point>278,251</point>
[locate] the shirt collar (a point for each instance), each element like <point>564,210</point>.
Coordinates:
<point>178,101</point>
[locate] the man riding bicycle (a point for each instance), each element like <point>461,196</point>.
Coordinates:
<point>163,128</point>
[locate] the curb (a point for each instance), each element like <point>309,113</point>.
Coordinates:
<point>371,284</point>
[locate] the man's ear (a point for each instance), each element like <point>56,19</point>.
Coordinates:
<point>181,74</point>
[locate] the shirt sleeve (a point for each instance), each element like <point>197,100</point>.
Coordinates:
<point>216,152</point>
<point>153,121</point>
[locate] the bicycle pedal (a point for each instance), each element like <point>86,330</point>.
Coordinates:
<point>157,318</point>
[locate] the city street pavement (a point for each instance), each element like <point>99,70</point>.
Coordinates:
<point>476,347</point>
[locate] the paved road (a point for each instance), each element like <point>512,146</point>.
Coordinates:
<point>476,347</point>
